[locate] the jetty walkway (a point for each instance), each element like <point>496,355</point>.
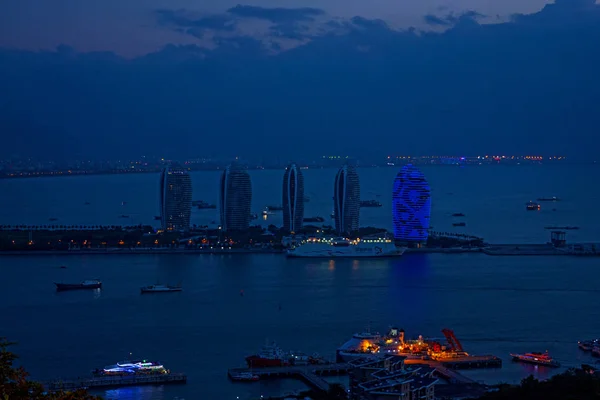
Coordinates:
<point>115,381</point>
<point>309,374</point>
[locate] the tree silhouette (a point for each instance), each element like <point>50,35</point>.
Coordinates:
<point>15,385</point>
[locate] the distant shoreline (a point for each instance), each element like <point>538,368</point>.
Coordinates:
<point>493,250</point>
<point>55,174</point>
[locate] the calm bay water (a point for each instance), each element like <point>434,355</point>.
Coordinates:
<point>495,305</point>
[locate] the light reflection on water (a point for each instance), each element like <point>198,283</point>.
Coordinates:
<point>135,392</point>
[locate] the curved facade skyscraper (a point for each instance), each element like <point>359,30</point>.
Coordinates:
<point>175,199</point>
<point>411,205</point>
<point>235,198</point>
<point>293,198</point>
<point>346,199</point>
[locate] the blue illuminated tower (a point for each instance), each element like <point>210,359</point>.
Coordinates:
<point>411,205</point>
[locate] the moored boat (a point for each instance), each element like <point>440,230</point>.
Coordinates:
<point>160,289</point>
<point>587,345</point>
<point>136,367</point>
<point>87,284</point>
<point>244,377</point>
<point>536,358</point>
<point>269,356</point>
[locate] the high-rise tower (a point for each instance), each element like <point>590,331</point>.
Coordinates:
<point>346,199</point>
<point>235,198</point>
<point>293,198</point>
<point>175,199</point>
<point>411,205</point>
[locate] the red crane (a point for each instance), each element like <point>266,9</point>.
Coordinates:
<point>452,340</point>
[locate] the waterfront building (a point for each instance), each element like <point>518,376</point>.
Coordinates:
<point>175,199</point>
<point>293,198</point>
<point>411,206</point>
<point>346,200</point>
<point>382,378</point>
<point>235,198</point>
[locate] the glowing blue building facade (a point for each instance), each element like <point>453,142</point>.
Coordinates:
<point>411,206</point>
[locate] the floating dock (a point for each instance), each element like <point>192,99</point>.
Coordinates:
<point>115,381</point>
<point>309,374</point>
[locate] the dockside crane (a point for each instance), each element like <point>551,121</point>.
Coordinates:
<point>452,340</point>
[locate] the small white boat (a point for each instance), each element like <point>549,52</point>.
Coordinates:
<point>160,289</point>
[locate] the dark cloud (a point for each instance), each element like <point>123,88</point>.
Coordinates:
<point>433,20</point>
<point>181,19</point>
<point>452,19</point>
<point>369,23</point>
<point>276,15</point>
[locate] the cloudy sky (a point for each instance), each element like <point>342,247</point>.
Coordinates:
<point>131,28</point>
<point>228,79</point>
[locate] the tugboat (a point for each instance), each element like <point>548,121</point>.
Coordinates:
<point>160,289</point>
<point>532,206</point>
<point>87,284</point>
<point>536,358</point>
<point>270,356</point>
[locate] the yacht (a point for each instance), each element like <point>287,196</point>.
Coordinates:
<point>342,247</point>
<point>160,289</point>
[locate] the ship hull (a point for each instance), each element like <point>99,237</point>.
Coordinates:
<point>259,362</point>
<point>68,286</point>
<point>536,362</point>
<point>345,254</point>
<point>144,291</point>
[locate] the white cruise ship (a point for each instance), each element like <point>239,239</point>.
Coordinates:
<point>342,247</point>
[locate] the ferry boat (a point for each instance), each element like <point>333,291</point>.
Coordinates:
<point>269,356</point>
<point>87,284</point>
<point>536,358</point>
<point>160,289</point>
<point>342,247</point>
<point>136,367</point>
<point>532,206</point>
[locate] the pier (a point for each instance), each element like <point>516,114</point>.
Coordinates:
<point>115,381</point>
<point>309,374</point>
